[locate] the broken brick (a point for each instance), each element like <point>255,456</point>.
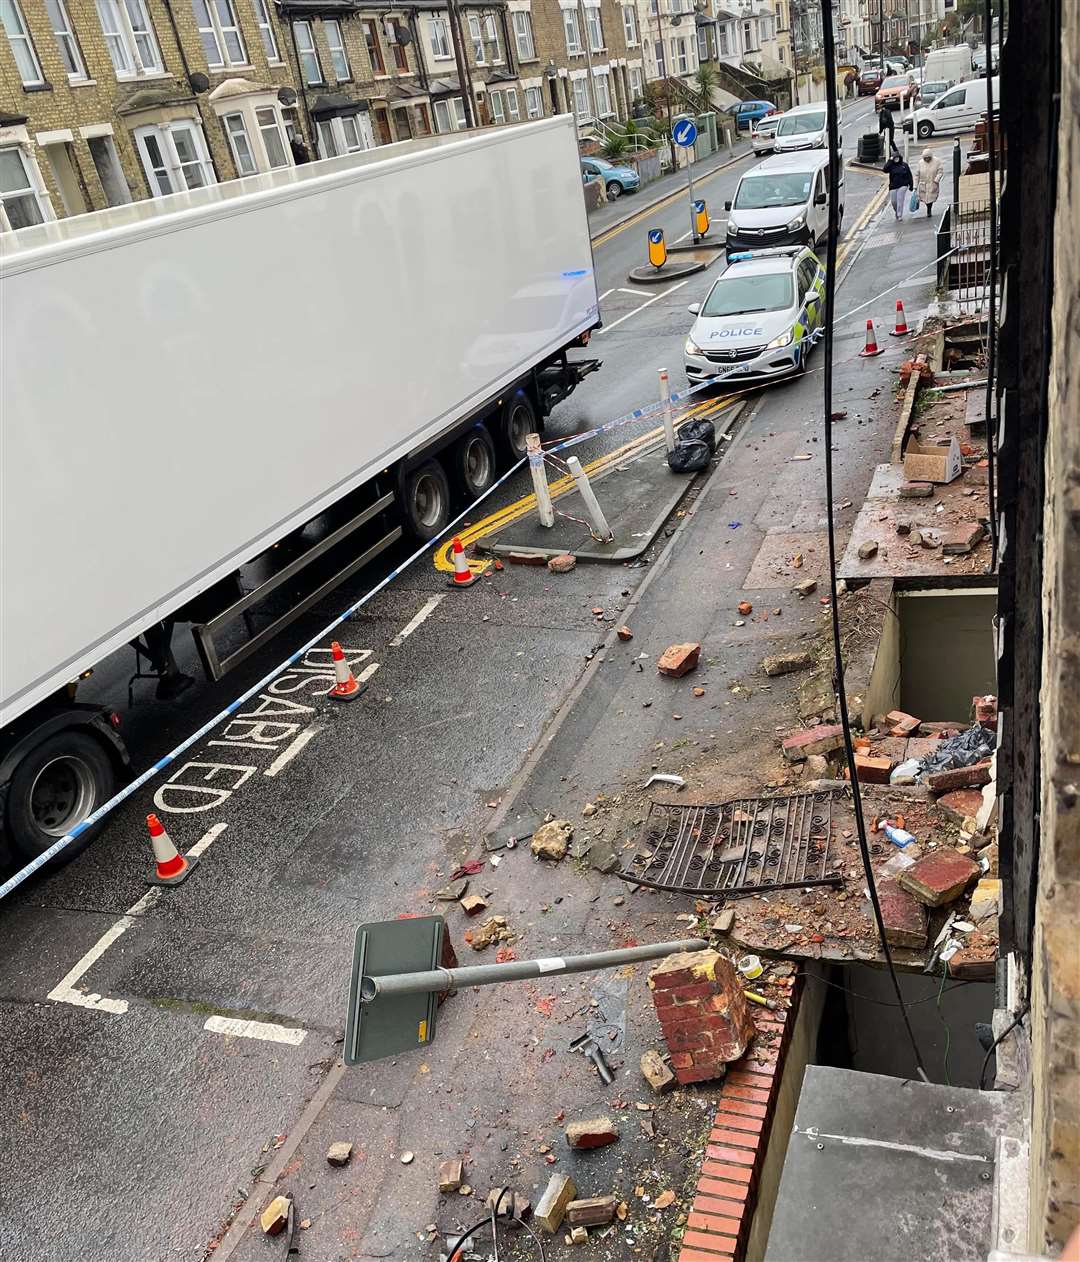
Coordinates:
<point>679,660</point>
<point>871,770</point>
<point>624,633</point>
<point>813,740</point>
<point>593,1132</point>
<point>656,1073</point>
<point>916,490</point>
<point>563,563</point>
<point>578,1235</point>
<point>786,663</point>
<point>527,558</point>
<point>275,1217</point>
<point>592,1211</point>
<point>903,914</point>
<point>972,777</point>
<point>939,877</point>
<point>961,804</point>
<point>551,1210</point>
<point>962,539</point>
<point>745,608</point>
<point>709,1025</point>
<point>806,588</point>
<point>985,710</point>
<point>338,1154</point>
<point>473,904</point>
<point>451,1175</point>
<point>901,724</point>
<point>867,549</point>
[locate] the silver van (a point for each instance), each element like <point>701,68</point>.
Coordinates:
<point>783,201</point>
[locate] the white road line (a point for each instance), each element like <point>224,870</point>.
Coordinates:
<point>264,1030</point>
<point>291,750</point>
<point>605,294</point>
<point>367,672</point>
<point>425,613</point>
<point>634,293</point>
<point>655,298</point>
<point>65,991</point>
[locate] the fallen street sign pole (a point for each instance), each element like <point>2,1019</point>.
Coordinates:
<point>393,1012</point>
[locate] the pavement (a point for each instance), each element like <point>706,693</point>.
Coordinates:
<point>161,1055</point>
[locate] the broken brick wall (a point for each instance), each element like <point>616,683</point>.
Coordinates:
<point>1055,983</point>
<point>703,1012</point>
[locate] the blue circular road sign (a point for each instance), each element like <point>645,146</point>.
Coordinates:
<point>656,235</point>
<point>684,132</point>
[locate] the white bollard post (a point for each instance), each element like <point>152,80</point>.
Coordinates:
<point>596,516</point>
<point>539,480</point>
<point>665,399</point>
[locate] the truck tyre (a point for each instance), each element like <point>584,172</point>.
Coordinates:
<point>426,500</point>
<point>54,787</point>
<point>474,464</point>
<point>518,420</point>
<point>926,129</point>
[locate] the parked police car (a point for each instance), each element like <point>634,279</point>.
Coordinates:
<point>760,319</point>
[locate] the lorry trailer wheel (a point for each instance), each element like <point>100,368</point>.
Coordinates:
<point>518,421</point>
<point>426,500</point>
<point>55,787</point>
<point>474,463</point>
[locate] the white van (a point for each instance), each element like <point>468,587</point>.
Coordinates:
<point>959,109</point>
<point>951,64</point>
<point>804,127</point>
<point>782,201</point>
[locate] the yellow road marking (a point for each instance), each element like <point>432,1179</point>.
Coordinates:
<point>561,486</point>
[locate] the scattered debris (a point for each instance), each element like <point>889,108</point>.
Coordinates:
<point>452,893</point>
<point>589,809</point>
<point>698,692</point>
<point>550,840</point>
<point>916,490</point>
<point>806,588</point>
<point>901,724</point>
<point>558,1194</point>
<point>593,1132</point>
<point>723,922</point>
<point>813,740</point>
<point>473,904</point>
<point>578,1235</point>
<point>656,1072</point>
<point>491,931</point>
<point>664,1200</point>
<point>745,608</point>
<point>338,1154</point>
<point>817,766</point>
<point>624,633</point>
<point>786,663</point>
<point>562,564</point>
<point>592,1211</point>
<point>663,777</point>
<point>275,1217</point>
<point>904,916</point>
<point>962,539</point>
<point>527,558</point>
<point>679,660</point>
<point>867,549</point>
<point>451,1175</point>
<point>939,877</point>
<point>467,869</point>
<point>407,1158</point>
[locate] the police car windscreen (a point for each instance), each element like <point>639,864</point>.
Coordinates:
<point>759,192</point>
<point>800,124</point>
<point>741,295</point>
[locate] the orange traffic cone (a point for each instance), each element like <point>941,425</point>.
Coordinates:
<point>463,576</point>
<point>871,347</point>
<point>347,688</point>
<point>172,867</point>
<point>901,329</point>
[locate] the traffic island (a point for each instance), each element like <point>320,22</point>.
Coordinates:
<point>637,496</point>
<point>690,259</point>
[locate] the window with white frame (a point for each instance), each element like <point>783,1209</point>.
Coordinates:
<point>523,36</point>
<point>582,108</point>
<point>22,48</point>
<point>596,28</point>
<point>439,34</point>
<point>68,45</point>
<point>629,17</point>
<point>174,157</point>
<point>458,103</point>
<point>765,28</point>
<point>109,171</point>
<point>513,110</point>
<point>129,37</point>
<point>266,30</point>
<point>534,103</point>
<point>572,30</point>
<point>498,109</point>
<point>637,83</point>
<point>444,120</point>
<point>309,57</point>
<point>240,144</point>
<point>602,91</point>
<point>748,37</point>
<point>272,134</point>
<point>703,44</point>
<point>346,134</point>
<point>679,59</point>
<point>654,8</point>
<point>658,58</point>
<point>335,41</point>
<point>476,38</point>
<point>491,38</point>
<point>23,200</point>
<point>219,31</point>
<point>723,36</point>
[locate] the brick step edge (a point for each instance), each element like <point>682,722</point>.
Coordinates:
<point>719,1220</point>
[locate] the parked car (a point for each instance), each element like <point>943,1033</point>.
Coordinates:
<point>931,90</point>
<point>870,78</point>
<point>617,179</point>
<point>763,133</point>
<point>760,319</point>
<point>782,201</point>
<point>958,109</point>
<point>804,127</point>
<point>895,89</point>
<point>746,113</point>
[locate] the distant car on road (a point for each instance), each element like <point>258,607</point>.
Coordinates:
<point>746,113</point>
<point>870,78</point>
<point>763,133</point>
<point>895,89</point>
<point>617,179</point>
<point>929,92</point>
<point>760,319</point>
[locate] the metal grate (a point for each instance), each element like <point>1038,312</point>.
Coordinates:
<point>737,847</point>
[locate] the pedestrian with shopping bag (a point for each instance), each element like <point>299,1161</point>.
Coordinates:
<point>928,179</point>
<point>900,183</point>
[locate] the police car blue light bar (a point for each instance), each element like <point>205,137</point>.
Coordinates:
<point>767,252</point>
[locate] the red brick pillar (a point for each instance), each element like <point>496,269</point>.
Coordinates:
<point>704,1013</point>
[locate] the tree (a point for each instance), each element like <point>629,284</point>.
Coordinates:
<point>706,79</point>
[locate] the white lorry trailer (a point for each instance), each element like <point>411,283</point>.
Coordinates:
<point>322,359</point>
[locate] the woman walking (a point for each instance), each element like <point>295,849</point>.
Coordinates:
<point>900,183</point>
<point>928,182</point>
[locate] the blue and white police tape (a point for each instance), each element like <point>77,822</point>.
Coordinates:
<point>62,843</point>
<point>638,414</point>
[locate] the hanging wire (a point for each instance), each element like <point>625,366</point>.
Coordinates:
<point>841,691</point>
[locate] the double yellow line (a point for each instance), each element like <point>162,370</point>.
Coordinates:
<point>561,486</point>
